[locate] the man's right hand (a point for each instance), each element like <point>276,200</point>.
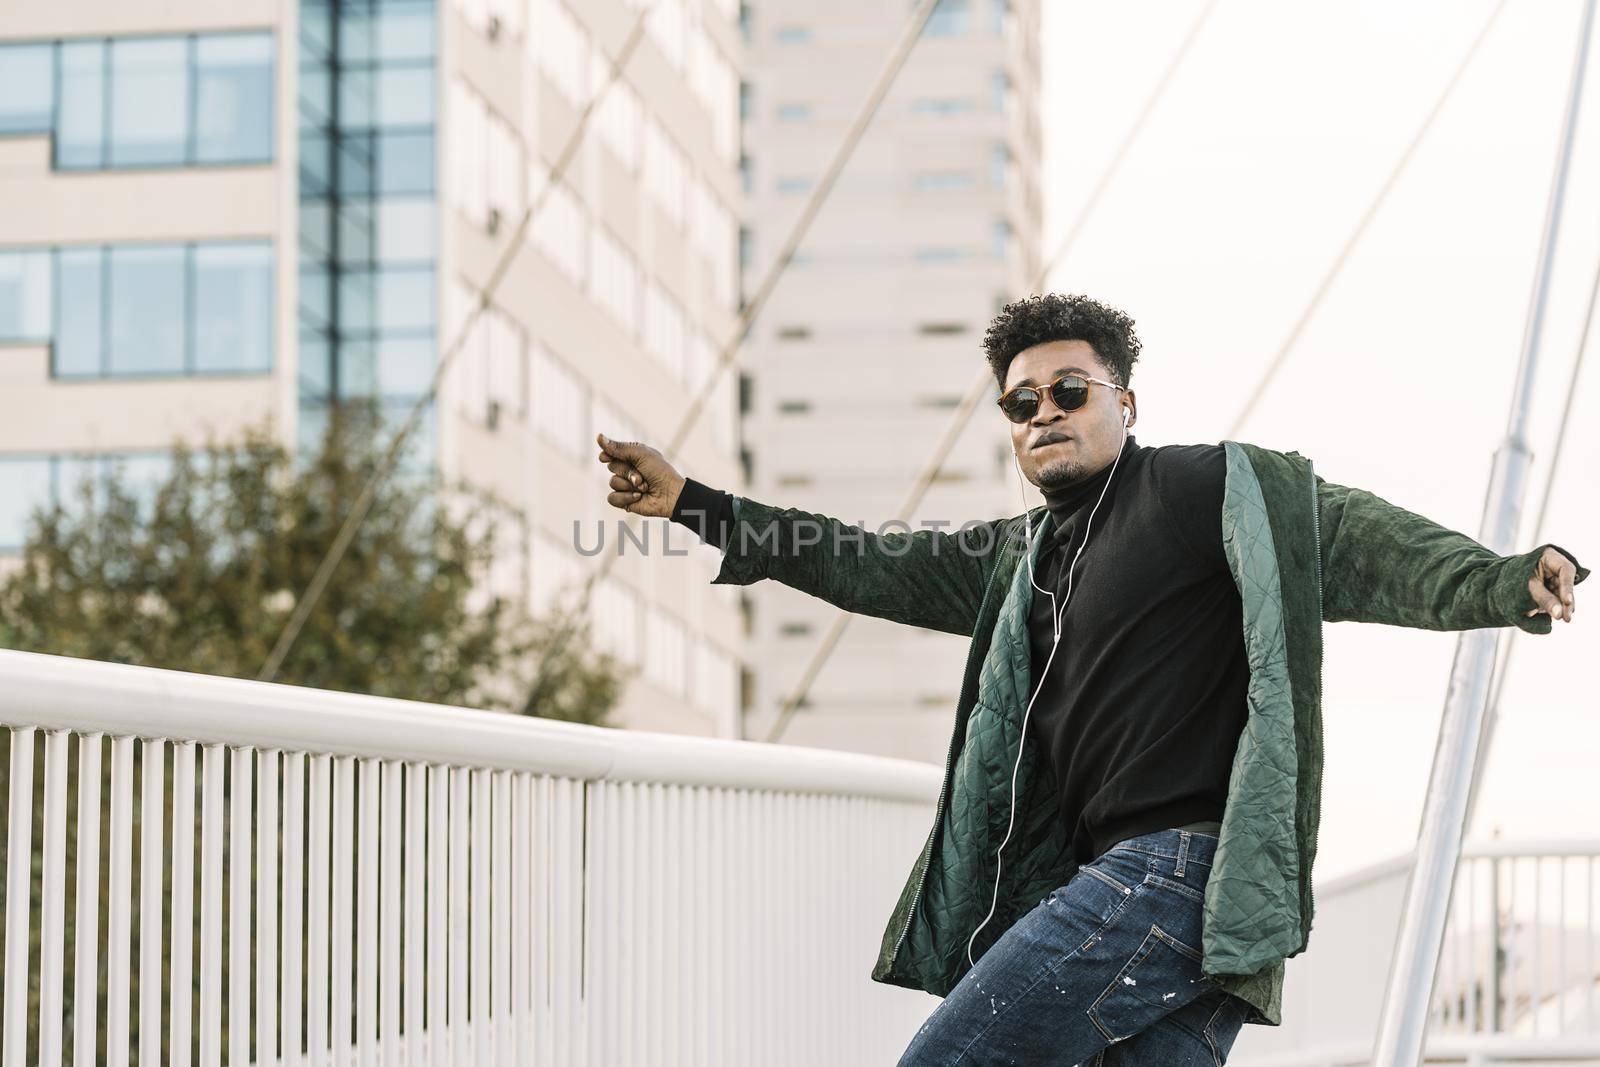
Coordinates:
<point>642,481</point>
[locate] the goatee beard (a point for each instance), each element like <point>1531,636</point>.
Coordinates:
<point>1062,473</point>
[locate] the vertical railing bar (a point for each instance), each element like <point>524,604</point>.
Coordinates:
<point>152,866</point>
<point>180,1021</point>
<point>319,978</point>
<point>520,952</point>
<point>500,880</point>
<point>478,918</point>
<point>340,969</point>
<point>459,933</point>
<point>119,917</point>
<point>1536,982</point>
<point>240,790</point>
<point>1588,945</point>
<point>629,971</point>
<point>86,922</point>
<point>544,928</point>
<point>416,879</point>
<point>19,896</point>
<point>211,907</point>
<point>367,916</point>
<point>267,903</point>
<point>1561,949</point>
<point>391,806</point>
<point>291,1001</point>
<point>438,905</point>
<point>53,899</point>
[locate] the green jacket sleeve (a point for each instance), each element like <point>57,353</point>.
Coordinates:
<point>1382,563</point>
<point>929,577</point>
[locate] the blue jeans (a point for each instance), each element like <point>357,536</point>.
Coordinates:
<point>1104,971</point>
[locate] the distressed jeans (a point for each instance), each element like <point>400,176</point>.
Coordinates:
<point>1104,971</point>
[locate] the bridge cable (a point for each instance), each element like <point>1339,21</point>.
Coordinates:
<point>977,389</point>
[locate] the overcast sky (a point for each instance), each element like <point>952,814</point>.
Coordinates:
<point>1271,142</point>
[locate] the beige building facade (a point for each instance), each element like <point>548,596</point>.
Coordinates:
<point>222,214</point>
<point>875,332</point>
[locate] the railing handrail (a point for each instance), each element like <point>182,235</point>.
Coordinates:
<point>1474,848</point>
<point>118,699</point>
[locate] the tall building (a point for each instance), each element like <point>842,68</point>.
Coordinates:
<point>875,331</point>
<point>222,213</point>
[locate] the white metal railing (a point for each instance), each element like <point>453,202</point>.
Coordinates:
<point>382,881</point>
<point>1516,980</point>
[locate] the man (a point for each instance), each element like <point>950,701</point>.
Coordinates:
<point>1120,860</point>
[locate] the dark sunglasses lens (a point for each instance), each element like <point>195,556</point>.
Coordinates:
<point>1070,393</point>
<point>1020,404</point>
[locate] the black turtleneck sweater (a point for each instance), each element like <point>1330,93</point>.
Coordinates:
<point>1142,706</point>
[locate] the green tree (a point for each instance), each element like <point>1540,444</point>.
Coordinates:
<point>203,577</point>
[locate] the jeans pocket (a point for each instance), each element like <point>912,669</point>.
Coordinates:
<point>1162,975</point>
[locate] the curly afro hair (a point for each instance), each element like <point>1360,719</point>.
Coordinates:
<point>1036,319</point>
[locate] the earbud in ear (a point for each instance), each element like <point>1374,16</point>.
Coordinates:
<point>1127,413</point>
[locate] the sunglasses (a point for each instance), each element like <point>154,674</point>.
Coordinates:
<point>1070,392</point>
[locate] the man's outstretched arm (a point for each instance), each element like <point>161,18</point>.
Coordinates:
<point>1382,563</point>
<point>928,578</point>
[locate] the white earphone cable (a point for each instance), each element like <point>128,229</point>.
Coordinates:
<point>1011,818</point>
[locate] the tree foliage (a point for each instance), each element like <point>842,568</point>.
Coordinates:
<point>203,575</point>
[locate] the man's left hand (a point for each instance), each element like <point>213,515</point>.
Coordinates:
<point>1551,585</point>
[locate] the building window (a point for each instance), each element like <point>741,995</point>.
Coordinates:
<point>948,18</point>
<point>791,185</point>
<point>1000,91</point>
<point>942,253</point>
<point>932,180</point>
<point>143,309</point>
<point>143,101</point>
<point>1002,238</point>
<point>29,483</point>
<point>25,296</point>
<point>942,329</point>
<point>794,407</point>
<point>794,112</point>
<point>941,105</point>
<point>792,34</point>
<point>999,12</point>
<point>999,165</point>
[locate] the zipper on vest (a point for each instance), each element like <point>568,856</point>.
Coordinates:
<point>1316,533</point>
<point>949,769</point>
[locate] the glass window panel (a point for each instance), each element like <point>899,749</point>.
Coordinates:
<point>405,162</point>
<point>81,124</point>
<point>357,165</point>
<point>316,298</point>
<point>358,302</point>
<point>405,96</point>
<point>405,230</point>
<point>233,98</point>
<point>139,474</point>
<point>25,296</point>
<point>149,101</point>
<point>233,307</point>
<point>395,31</point>
<point>24,487</point>
<point>27,87</point>
<point>405,299</point>
<point>147,309</point>
<point>79,322</point>
<point>405,366</point>
<point>316,169</point>
<point>358,98</point>
<point>314,370</point>
<point>75,476</point>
